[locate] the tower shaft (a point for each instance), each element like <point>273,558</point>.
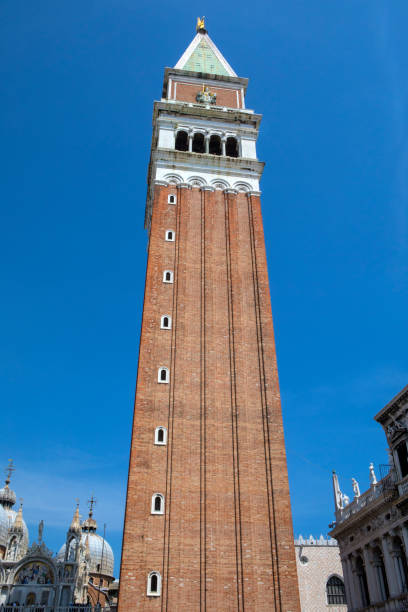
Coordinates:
<point>208,521</point>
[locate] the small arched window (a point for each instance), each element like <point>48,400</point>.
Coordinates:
<point>167,276</point>
<point>215,145</point>
<point>170,235</point>
<point>165,322</point>
<point>182,141</point>
<point>336,593</point>
<point>231,147</point>
<point>198,143</point>
<point>154,584</point>
<point>157,504</point>
<point>160,436</point>
<point>172,199</point>
<point>163,375</point>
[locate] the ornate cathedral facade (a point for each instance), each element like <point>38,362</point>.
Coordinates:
<point>81,572</point>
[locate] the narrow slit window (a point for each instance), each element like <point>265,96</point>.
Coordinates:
<point>172,199</point>
<point>167,276</point>
<point>164,375</point>
<point>154,584</point>
<point>160,436</point>
<point>165,322</point>
<point>170,235</point>
<point>157,504</point>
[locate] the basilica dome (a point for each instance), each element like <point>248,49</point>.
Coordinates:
<point>8,517</point>
<point>100,553</point>
<point>95,548</point>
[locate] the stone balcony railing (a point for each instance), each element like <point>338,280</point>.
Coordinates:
<point>384,487</point>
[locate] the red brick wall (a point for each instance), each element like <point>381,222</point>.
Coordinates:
<point>188,92</point>
<point>225,542</point>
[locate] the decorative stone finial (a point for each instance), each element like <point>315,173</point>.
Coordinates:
<point>18,521</point>
<point>40,531</point>
<point>76,523</point>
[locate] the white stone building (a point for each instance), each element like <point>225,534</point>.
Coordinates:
<point>372,529</point>
<point>320,575</point>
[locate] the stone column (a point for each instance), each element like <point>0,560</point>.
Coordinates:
<point>207,142</point>
<point>356,588</point>
<point>223,145</point>
<point>190,141</point>
<point>373,586</point>
<point>349,584</point>
<point>393,582</point>
<point>404,533</point>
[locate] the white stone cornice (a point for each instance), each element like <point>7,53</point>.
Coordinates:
<point>184,186</point>
<point>161,183</point>
<point>207,188</point>
<point>231,191</point>
<point>254,193</point>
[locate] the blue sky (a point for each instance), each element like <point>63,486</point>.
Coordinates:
<point>77,84</point>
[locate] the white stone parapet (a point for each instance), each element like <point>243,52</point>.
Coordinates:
<point>312,541</point>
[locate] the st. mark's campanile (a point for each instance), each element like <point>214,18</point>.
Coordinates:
<point>208,521</point>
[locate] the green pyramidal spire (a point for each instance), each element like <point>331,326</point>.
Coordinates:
<point>202,55</point>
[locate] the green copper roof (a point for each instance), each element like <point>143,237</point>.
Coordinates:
<point>203,59</point>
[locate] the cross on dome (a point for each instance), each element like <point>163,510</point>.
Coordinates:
<point>9,470</point>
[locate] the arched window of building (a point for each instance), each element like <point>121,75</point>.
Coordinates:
<point>157,504</point>
<point>402,458</point>
<point>335,590</point>
<point>182,141</point>
<point>381,573</point>
<point>231,148</point>
<point>163,375</point>
<point>170,235</point>
<point>400,561</point>
<point>215,145</point>
<point>154,584</point>
<point>172,199</point>
<point>362,581</point>
<point>160,436</point>
<point>165,322</point>
<point>167,276</point>
<point>198,143</point>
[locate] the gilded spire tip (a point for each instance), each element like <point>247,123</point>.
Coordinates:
<point>201,25</point>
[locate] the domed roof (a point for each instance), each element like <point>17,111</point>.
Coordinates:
<point>7,496</point>
<point>4,525</point>
<point>100,553</point>
<point>8,515</point>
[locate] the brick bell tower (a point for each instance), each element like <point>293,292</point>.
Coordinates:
<point>208,520</point>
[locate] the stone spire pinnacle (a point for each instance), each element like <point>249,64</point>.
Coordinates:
<point>18,521</point>
<point>76,522</point>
